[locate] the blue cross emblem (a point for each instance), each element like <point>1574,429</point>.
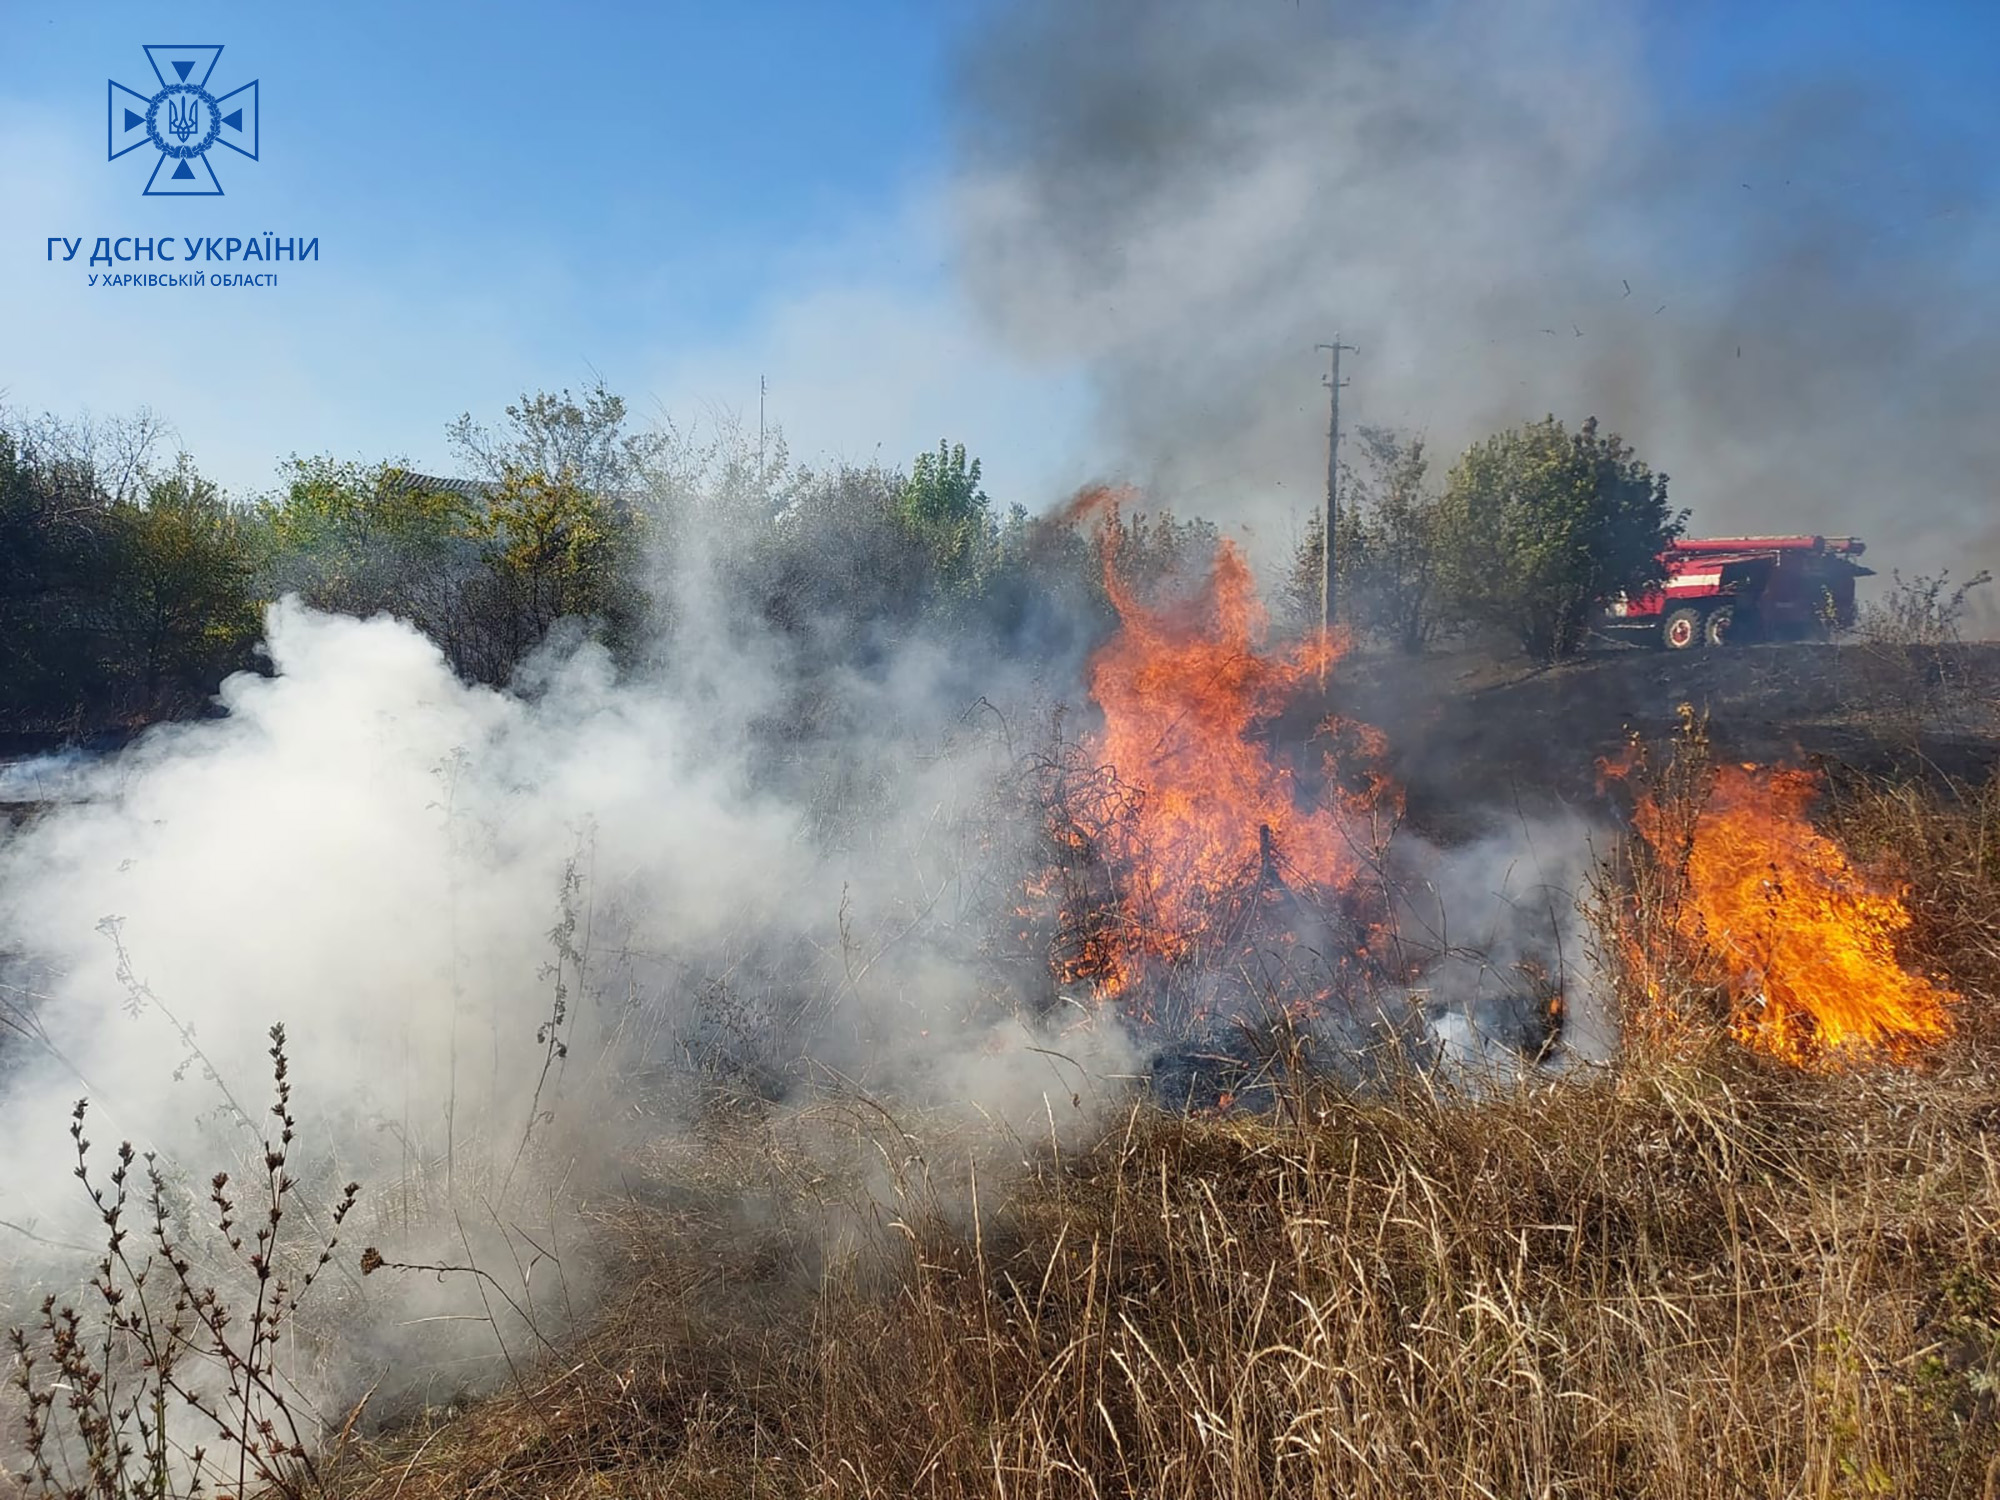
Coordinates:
<point>182,121</point>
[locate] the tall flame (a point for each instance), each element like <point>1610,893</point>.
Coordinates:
<point>1804,941</point>
<point>1208,818</point>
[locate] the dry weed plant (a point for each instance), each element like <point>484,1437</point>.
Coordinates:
<point>189,1358</point>
<point>171,1379</point>
<point>1914,670</point>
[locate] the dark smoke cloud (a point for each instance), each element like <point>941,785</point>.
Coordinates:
<point>1187,195</point>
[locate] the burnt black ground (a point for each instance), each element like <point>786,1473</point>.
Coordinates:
<point>1472,738</point>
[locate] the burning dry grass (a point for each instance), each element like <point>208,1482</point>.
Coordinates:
<point>1707,1273</point>
<point>1733,1280</point>
<point>1941,840</point>
<point>1831,916</point>
<point>1735,892</point>
<point>1704,1274</point>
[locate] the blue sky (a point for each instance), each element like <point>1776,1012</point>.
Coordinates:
<point>681,197</point>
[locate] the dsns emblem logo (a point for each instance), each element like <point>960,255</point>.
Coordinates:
<point>182,121</point>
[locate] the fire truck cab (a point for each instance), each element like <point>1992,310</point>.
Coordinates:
<point>1732,588</point>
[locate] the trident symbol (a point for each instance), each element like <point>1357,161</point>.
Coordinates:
<point>181,120</point>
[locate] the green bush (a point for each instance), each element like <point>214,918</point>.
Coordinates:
<point>1538,524</point>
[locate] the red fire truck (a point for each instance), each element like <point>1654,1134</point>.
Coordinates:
<point>1720,589</point>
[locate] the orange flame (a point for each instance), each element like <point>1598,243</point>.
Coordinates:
<point>1201,820</point>
<point>1804,941</point>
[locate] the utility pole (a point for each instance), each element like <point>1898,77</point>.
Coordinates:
<point>1333,383</point>
<point>760,425</point>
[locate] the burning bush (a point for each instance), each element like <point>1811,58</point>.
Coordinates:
<point>1182,843</point>
<point>1235,896</point>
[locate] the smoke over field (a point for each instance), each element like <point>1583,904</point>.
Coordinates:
<point>1771,284</point>
<point>416,874</point>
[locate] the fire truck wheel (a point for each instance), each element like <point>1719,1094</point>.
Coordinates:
<point>1720,626</point>
<point>1681,630</point>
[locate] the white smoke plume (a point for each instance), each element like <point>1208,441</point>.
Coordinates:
<point>420,878</point>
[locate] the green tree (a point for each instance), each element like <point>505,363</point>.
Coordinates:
<point>1396,523</point>
<point>364,539</point>
<point>1387,562</point>
<point>944,507</point>
<point>552,550</point>
<point>568,495</point>
<point>1537,524</point>
<point>55,541</point>
<point>359,538</point>
<point>1299,594</point>
<point>1151,552</point>
<point>182,589</point>
<point>127,589</point>
<point>578,440</point>
<point>484,569</point>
